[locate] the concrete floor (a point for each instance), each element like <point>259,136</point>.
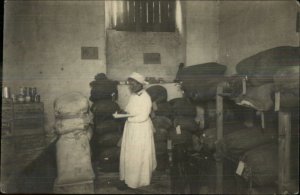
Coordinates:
<point>105,184</point>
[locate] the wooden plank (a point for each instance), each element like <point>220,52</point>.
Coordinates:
<point>219,163</point>
<point>284,148</point>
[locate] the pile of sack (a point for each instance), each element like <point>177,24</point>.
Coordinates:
<point>160,116</point>
<point>199,82</point>
<point>73,154</point>
<point>107,130</point>
<point>269,71</point>
<point>185,128</point>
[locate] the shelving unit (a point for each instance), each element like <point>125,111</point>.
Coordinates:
<point>284,149</point>
<point>22,138</point>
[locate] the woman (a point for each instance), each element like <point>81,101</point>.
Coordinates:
<point>137,158</point>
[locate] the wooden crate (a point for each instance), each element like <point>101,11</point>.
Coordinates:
<point>85,187</point>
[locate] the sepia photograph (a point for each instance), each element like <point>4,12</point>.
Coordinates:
<point>150,97</point>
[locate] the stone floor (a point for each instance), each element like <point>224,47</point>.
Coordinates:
<point>105,183</point>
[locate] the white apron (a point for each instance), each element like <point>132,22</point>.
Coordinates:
<point>137,158</point>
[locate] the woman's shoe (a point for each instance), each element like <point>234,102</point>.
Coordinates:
<point>122,186</point>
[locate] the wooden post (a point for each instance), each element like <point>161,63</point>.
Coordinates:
<point>284,140</point>
<point>219,162</point>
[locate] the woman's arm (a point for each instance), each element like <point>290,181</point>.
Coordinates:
<point>141,114</point>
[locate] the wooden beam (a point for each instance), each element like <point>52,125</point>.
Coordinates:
<point>219,162</point>
<point>284,149</point>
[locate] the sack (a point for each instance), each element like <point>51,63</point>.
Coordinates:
<point>157,93</point>
<point>107,127</point>
<point>161,122</point>
<point>259,98</point>
<point>261,67</point>
<point>263,162</point>
<point>109,139</point>
<point>73,158</point>
<point>185,137</point>
<point>104,108</point>
<point>186,124</point>
<point>63,126</point>
<point>103,90</point>
<point>209,136</point>
<point>287,78</point>
<point>182,107</point>
<point>235,144</point>
<point>202,89</point>
<point>70,105</point>
<point>164,109</point>
<point>197,71</point>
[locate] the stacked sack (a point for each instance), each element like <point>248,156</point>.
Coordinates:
<point>108,131</point>
<point>73,148</point>
<point>161,122</point>
<point>268,71</point>
<point>199,82</point>
<point>185,128</point>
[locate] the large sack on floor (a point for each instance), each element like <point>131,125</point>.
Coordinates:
<point>261,66</point>
<point>199,70</point>
<point>186,124</point>
<point>235,144</point>
<point>259,98</point>
<point>163,109</point>
<point>263,162</point>
<point>73,158</point>
<point>63,126</point>
<point>70,105</point>
<point>109,139</point>
<point>107,127</point>
<point>103,88</point>
<point>157,93</point>
<point>161,122</point>
<point>104,107</point>
<point>182,107</point>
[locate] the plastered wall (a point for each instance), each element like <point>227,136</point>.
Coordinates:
<point>42,47</point>
<point>125,53</point>
<point>248,27</point>
<point>202,33</point>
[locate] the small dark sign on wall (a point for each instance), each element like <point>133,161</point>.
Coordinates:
<point>89,53</point>
<point>151,58</point>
